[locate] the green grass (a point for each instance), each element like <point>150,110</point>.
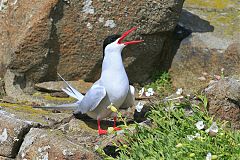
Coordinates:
<point>167,139</point>
<point>161,84</point>
<point>171,129</point>
<point>172,124</point>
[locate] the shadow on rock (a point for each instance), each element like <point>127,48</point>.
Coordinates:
<point>194,23</point>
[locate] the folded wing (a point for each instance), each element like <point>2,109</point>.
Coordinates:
<point>130,99</point>
<point>92,99</point>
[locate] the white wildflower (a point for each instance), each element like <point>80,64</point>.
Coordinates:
<point>209,156</point>
<point>200,125</point>
<point>197,135</point>
<point>213,128</point>
<point>150,90</point>
<point>190,137</point>
<point>179,91</point>
<point>140,93</point>
<point>147,94</point>
<point>179,145</point>
<point>207,130</point>
<point>96,147</point>
<point>139,106</point>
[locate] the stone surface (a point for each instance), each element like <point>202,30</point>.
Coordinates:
<point>224,100</point>
<point>5,158</point>
<point>53,36</point>
<point>12,131</point>
<point>38,117</point>
<point>52,144</point>
<point>2,90</point>
<point>56,86</point>
<point>55,134</point>
<point>213,45</point>
<point>4,40</point>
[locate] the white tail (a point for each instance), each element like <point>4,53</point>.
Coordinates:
<point>71,91</point>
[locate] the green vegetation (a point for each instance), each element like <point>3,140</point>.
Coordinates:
<point>222,14</point>
<point>47,96</point>
<point>24,108</point>
<point>217,4</point>
<point>174,135</point>
<point>161,84</point>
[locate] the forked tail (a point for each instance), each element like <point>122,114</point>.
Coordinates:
<point>71,91</point>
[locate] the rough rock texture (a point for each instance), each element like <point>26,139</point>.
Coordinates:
<point>5,158</point>
<point>224,100</point>
<point>2,91</point>
<point>53,133</point>
<point>4,40</point>
<point>51,144</point>
<point>213,45</point>
<point>56,86</point>
<point>53,36</point>
<point>12,131</point>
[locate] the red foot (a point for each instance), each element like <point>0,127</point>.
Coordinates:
<point>117,128</point>
<point>114,125</point>
<point>102,131</point>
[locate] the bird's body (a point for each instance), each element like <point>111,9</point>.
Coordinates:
<point>112,87</point>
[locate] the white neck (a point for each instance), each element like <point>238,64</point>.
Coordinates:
<point>112,61</point>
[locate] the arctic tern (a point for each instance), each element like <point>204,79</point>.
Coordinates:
<point>111,89</point>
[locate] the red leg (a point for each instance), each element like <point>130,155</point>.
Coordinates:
<point>114,124</point>
<point>101,131</point>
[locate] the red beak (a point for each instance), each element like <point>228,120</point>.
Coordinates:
<point>125,35</point>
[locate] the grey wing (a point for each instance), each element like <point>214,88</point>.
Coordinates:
<point>130,99</point>
<point>91,99</point>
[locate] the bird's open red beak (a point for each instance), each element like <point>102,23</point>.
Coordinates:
<point>125,35</point>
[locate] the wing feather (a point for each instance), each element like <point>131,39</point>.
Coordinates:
<point>92,99</point>
<point>130,99</point>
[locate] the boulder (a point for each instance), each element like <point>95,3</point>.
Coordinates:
<point>50,36</point>
<point>52,144</point>
<point>57,86</point>
<point>4,40</point>
<point>54,134</point>
<point>5,158</point>
<point>212,50</point>
<point>2,91</point>
<point>224,100</point>
<point>12,132</point>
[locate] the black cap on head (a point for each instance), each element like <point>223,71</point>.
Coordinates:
<point>109,40</point>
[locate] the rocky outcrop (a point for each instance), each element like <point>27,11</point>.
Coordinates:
<point>213,45</point>
<point>30,133</point>
<point>12,132</point>
<point>224,100</point>
<point>5,158</point>
<point>50,36</point>
<point>56,86</point>
<point>2,90</point>
<point>50,144</point>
